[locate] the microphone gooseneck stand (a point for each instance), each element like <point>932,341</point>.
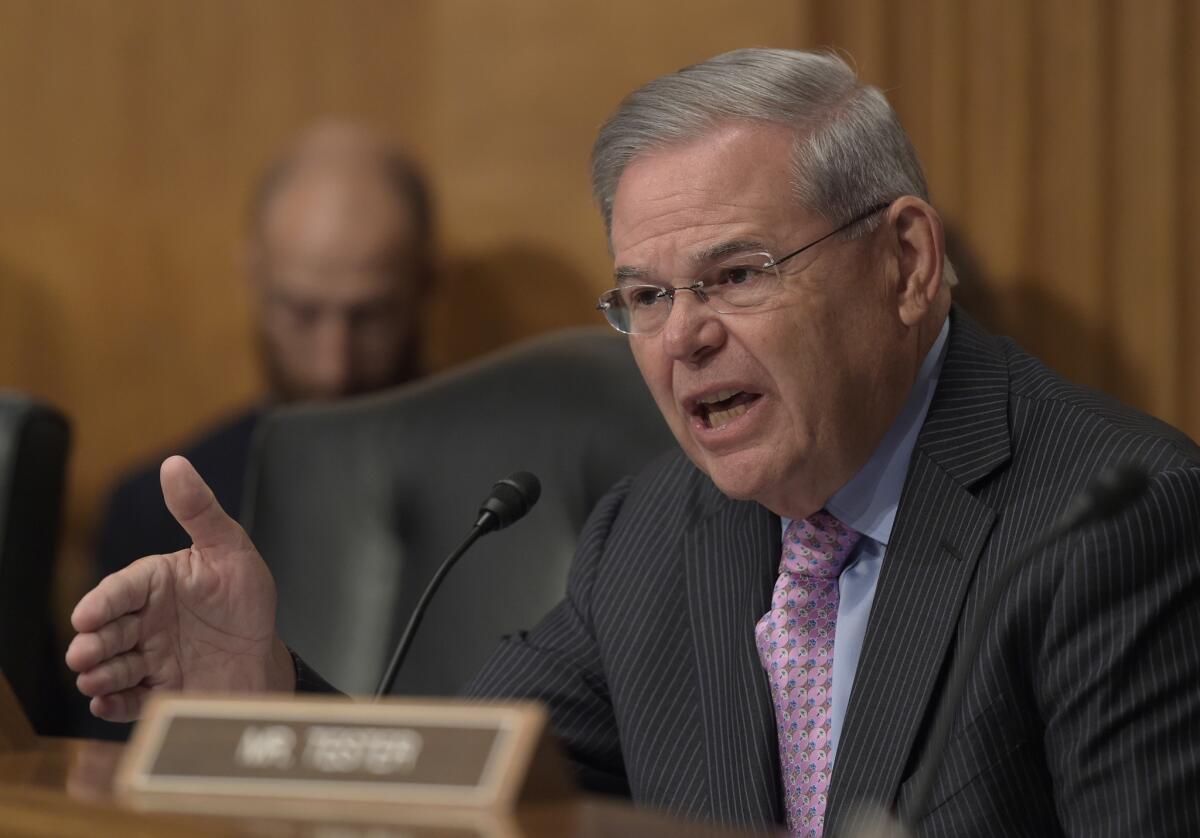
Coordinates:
<point>509,500</point>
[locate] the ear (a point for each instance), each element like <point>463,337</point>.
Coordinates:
<point>920,255</point>
<point>429,271</point>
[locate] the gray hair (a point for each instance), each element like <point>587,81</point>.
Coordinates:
<point>849,154</point>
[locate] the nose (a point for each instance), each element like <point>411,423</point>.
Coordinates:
<point>332,361</point>
<point>693,330</point>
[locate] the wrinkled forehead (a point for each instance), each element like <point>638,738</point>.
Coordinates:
<point>680,207</point>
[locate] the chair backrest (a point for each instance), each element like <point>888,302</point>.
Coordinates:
<point>355,505</point>
<point>34,442</point>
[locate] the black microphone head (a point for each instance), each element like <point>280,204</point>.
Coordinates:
<point>1107,493</point>
<point>1115,488</point>
<point>510,500</point>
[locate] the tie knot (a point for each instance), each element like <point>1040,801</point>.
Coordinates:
<point>818,545</point>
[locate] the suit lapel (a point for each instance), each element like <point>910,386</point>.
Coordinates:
<point>732,559</point>
<point>941,529</point>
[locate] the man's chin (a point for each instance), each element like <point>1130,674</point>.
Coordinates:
<point>757,476</point>
<point>738,489</point>
<point>738,478</point>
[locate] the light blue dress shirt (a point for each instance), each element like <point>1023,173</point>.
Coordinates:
<point>868,504</point>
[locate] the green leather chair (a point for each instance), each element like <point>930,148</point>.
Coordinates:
<point>355,505</point>
<point>34,443</point>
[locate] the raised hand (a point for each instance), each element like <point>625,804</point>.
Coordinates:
<point>199,619</point>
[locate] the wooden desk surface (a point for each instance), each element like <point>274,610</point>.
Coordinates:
<point>64,788</point>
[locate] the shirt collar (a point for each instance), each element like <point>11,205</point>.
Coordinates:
<point>868,502</point>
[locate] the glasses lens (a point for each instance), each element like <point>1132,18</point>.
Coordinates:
<point>635,309</point>
<point>744,281</point>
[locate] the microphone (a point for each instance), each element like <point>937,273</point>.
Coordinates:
<point>510,500</point>
<point>1109,492</point>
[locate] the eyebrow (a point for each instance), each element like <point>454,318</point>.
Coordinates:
<point>709,254</point>
<point>626,272</point>
<point>723,249</point>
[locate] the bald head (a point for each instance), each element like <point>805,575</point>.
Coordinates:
<point>340,261</point>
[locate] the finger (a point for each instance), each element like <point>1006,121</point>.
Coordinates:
<point>118,594</point>
<point>89,650</point>
<point>113,675</point>
<point>125,706</point>
<point>192,504</point>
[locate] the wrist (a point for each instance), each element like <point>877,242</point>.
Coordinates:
<point>281,668</point>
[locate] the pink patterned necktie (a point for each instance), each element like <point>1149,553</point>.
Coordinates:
<point>795,644</point>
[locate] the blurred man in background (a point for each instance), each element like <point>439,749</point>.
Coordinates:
<point>339,263</point>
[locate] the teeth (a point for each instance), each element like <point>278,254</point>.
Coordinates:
<point>719,397</point>
<point>721,418</point>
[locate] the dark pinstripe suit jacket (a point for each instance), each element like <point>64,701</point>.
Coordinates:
<point>1082,716</point>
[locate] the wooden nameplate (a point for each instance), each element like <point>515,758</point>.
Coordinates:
<point>363,759</point>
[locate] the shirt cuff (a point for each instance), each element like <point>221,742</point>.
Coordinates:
<point>308,680</point>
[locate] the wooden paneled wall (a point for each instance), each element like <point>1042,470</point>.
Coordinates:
<point>133,130</point>
<point>1058,136</point>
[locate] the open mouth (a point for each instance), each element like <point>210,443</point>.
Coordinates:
<point>719,409</point>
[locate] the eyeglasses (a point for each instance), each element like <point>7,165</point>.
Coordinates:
<point>738,283</point>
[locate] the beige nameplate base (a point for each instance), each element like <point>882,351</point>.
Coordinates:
<point>317,753</point>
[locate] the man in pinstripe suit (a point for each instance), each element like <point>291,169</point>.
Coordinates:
<point>781,273</point>
<point>832,373</point>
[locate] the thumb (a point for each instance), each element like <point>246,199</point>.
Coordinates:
<point>193,505</point>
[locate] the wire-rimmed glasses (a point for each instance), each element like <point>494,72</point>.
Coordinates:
<point>737,283</point>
